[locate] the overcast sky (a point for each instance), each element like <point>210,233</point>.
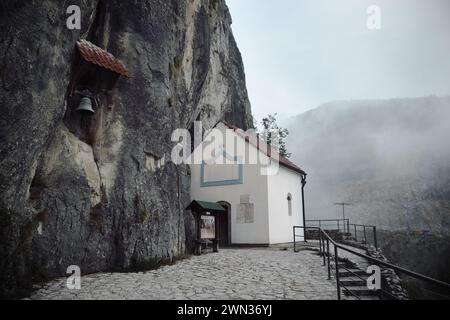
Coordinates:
<point>299,54</point>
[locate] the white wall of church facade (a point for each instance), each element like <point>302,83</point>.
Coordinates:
<point>249,219</point>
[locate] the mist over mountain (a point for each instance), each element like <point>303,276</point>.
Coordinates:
<point>390,158</point>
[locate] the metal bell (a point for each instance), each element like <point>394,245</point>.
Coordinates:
<point>85,106</point>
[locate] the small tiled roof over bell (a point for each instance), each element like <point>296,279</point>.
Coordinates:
<point>96,55</point>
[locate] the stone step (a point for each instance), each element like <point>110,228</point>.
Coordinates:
<point>359,291</point>
<point>361,298</point>
<point>341,265</point>
<point>353,282</point>
<point>351,273</point>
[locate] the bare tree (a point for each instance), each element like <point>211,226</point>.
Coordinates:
<point>274,135</point>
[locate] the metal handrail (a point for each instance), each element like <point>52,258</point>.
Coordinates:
<point>324,236</point>
<point>351,292</point>
<point>354,274</point>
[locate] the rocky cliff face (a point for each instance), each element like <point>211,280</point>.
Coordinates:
<point>116,201</point>
<point>425,253</point>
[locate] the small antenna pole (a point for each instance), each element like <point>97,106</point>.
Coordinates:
<point>343,204</point>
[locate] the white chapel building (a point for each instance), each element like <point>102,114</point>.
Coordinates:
<point>264,198</point>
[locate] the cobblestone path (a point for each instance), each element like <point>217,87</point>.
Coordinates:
<point>230,274</point>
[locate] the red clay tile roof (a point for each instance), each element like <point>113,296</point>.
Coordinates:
<point>269,151</point>
<point>96,55</point>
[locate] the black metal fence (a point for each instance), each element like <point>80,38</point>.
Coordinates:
<point>364,233</point>
<point>330,256</point>
<point>342,225</point>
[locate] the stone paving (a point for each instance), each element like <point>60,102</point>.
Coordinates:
<point>231,274</point>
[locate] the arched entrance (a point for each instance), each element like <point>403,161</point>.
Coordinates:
<point>225,225</point>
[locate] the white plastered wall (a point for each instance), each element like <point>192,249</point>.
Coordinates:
<point>280,223</point>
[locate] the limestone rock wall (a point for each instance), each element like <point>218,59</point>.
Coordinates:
<point>117,202</point>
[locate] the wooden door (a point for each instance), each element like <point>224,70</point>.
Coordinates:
<point>223,229</point>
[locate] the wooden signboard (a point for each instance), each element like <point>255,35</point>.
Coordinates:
<point>206,224</point>
<point>207,227</point>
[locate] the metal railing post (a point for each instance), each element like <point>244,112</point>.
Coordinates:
<point>304,234</point>
<point>339,227</point>
<point>320,243</point>
<point>323,251</point>
<point>365,236</point>
<point>336,262</point>
<point>375,242</point>
<point>356,236</point>
<point>328,259</point>
<point>348,225</point>
<point>294,238</point>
